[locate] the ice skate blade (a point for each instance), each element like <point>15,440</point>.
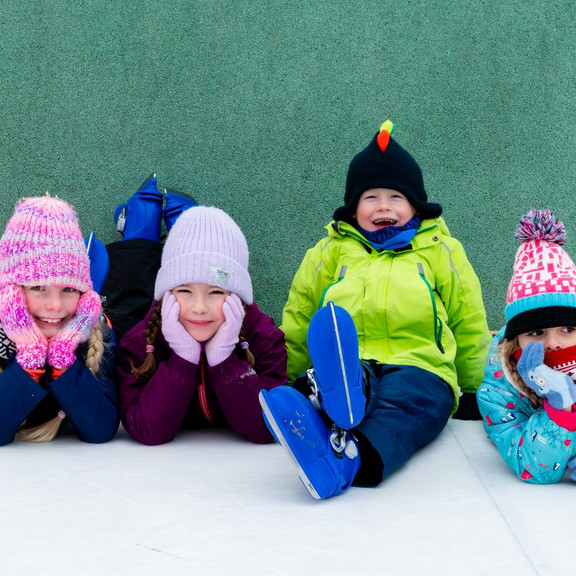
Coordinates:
<point>277,431</point>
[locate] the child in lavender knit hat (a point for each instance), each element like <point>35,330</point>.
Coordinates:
<point>204,351</point>
<point>56,357</point>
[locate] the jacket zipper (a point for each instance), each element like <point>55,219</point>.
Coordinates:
<point>340,278</point>
<point>202,394</point>
<point>437,321</point>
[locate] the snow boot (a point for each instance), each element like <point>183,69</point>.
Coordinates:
<point>99,261</point>
<point>327,460</point>
<point>336,376</point>
<point>176,203</point>
<point>141,216</point>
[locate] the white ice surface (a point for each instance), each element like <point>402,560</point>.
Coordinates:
<point>211,503</point>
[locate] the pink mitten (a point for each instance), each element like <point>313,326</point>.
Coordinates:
<point>62,346</point>
<point>178,339</point>
<point>20,327</point>
<point>222,344</point>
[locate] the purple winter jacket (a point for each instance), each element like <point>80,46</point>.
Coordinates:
<point>181,394</point>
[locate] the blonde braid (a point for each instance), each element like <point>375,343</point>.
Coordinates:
<point>44,432</point>
<point>95,349</point>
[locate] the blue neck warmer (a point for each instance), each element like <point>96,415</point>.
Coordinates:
<point>391,237</point>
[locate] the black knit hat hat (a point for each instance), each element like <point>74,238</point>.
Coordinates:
<point>385,164</point>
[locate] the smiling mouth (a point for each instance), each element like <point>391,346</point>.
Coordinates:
<point>51,320</point>
<point>383,222</point>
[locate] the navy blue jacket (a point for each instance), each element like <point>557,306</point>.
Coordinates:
<point>90,403</point>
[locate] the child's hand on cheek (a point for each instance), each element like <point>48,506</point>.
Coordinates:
<point>556,387</point>
<point>176,335</point>
<point>62,346</point>
<point>222,344</point>
<point>20,327</point>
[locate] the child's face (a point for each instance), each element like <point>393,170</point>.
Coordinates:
<point>382,207</point>
<point>200,309</point>
<point>51,306</point>
<point>552,339</point>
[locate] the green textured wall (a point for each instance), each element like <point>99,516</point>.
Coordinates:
<point>257,107</point>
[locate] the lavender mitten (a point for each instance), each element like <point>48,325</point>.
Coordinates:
<point>19,326</point>
<point>222,344</point>
<point>62,346</point>
<point>178,339</point>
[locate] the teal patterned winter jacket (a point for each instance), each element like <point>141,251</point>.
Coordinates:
<point>535,441</point>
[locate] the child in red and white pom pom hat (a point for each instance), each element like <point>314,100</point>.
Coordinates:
<point>528,397</point>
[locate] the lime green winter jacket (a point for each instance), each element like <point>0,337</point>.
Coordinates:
<point>417,306</point>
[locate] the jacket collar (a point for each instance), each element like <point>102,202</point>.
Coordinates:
<point>430,232</point>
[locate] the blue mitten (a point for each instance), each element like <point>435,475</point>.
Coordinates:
<point>556,387</point>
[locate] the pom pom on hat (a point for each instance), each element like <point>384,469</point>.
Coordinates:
<point>540,225</point>
<point>385,164</point>
<point>43,245</point>
<point>205,245</point>
<point>542,291</point>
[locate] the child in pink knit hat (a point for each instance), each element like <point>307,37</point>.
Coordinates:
<point>528,398</point>
<point>56,357</point>
<point>204,351</point>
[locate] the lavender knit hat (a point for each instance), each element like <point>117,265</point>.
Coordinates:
<point>205,245</point>
<point>43,245</point>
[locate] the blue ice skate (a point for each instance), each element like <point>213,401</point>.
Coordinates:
<point>176,203</point>
<point>327,460</point>
<point>141,216</point>
<point>336,374</point>
<point>99,261</point>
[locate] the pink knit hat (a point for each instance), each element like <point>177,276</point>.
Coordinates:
<point>43,245</point>
<point>542,291</point>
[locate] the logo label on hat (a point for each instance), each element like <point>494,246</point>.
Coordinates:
<point>220,276</point>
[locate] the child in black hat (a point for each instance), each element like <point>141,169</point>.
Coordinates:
<point>386,317</point>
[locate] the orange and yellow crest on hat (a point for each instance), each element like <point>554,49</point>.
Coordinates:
<point>384,135</point>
